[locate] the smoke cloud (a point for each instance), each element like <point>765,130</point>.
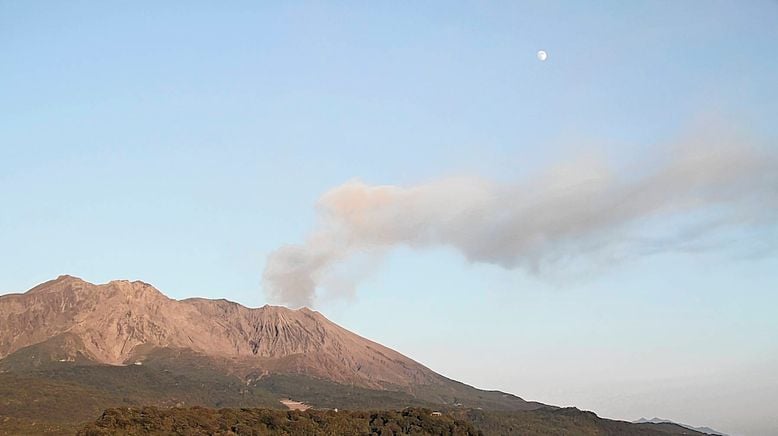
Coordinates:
<point>564,212</point>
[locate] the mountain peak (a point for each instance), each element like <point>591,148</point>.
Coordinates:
<point>63,277</point>
<point>62,280</point>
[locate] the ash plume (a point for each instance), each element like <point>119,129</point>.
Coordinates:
<point>565,212</point>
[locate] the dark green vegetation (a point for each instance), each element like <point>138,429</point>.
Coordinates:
<point>40,393</point>
<point>409,421</point>
<point>326,394</point>
<point>43,395</point>
<point>199,421</point>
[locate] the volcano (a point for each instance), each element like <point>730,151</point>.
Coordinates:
<point>70,349</point>
<point>68,327</point>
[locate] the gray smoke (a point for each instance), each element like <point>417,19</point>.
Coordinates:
<point>565,212</point>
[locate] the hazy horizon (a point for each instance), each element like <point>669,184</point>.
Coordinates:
<point>596,229</point>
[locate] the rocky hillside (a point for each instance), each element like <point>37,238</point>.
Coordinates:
<point>116,323</point>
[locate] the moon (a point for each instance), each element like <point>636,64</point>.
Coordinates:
<point>542,55</point>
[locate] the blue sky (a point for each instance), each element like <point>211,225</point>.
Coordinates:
<point>181,143</point>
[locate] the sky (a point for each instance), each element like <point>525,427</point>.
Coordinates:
<point>196,145</point>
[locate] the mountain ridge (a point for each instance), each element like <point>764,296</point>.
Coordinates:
<point>656,420</point>
<point>124,322</point>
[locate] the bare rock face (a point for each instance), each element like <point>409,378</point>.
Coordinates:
<point>120,321</point>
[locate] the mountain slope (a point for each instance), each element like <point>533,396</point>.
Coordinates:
<point>705,430</point>
<point>113,320</point>
<point>409,421</point>
<point>69,321</point>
